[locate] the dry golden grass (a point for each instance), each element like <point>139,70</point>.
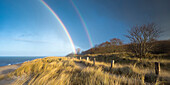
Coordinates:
<point>130,71</point>
<point>63,71</point>
<point>2,77</point>
<point>125,55</point>
<point>92,55</point>
<point>140,65</point>
<point>117,69</point>
<point>60,71</point>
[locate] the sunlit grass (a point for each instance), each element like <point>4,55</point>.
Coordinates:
<point>131,72</point>
<point>125,55</point>
<point>63,71</point>
<point>2,77</point>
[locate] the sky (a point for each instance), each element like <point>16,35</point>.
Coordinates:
<point>28,28</point>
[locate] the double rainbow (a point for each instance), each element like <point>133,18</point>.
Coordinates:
<point>62,24</point>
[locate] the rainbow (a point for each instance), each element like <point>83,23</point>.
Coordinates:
<point>83,22</point>
<point>62,24</point>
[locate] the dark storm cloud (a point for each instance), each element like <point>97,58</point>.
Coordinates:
<point>134,12</point>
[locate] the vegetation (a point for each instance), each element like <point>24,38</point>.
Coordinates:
<point>61,71</point>
<point>66,71</point>
<point>115,45</point>
<point>139,72</point>
<point>142,38</point>
<point>2,77</point>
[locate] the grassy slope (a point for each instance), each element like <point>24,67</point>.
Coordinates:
<point>126,59</point>
<point>63,71</point>
<point>130,66</point>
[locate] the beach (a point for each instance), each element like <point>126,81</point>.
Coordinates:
<point>9,68</point>
<point>5,70</point>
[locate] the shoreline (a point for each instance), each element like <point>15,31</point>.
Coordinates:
<point>23,59</point>
<point>8,68</point>
<point>4,70</point>
<point>11,65</point>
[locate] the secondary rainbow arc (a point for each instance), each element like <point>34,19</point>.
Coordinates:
<point>83,23</point>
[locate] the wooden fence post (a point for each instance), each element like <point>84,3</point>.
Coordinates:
<point>104,58</point>
<point>157,68</point>
<point>94,60</point>
<point>112,64</point>
<point>87,58</point>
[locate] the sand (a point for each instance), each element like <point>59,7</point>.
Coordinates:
<point>5,70</point>
<point>9,68</point>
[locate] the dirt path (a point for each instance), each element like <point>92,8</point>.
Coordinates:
<point>81,65</point>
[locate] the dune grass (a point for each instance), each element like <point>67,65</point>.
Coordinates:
<point>2,77</point>
<point>63,71</point>
<point>131,72</point>
<point>117,69</point>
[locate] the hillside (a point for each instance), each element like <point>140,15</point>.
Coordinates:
<point>63,71</point>
<point>66,71</point>
<point>161,47</point>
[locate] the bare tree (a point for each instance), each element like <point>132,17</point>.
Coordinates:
<point>116,45</point>
<point>141,38</point>
<point>116,41</point>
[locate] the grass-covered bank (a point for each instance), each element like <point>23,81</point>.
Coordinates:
<point>132,67</point>
<point>63,71</point>
<point>128,59</point>
<point>66,71</point>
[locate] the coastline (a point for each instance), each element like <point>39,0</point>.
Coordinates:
<point>4,70</point>
<point>8,68</point>
<point>13,60</point>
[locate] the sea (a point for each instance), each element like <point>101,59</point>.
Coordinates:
<point>10,60</point>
